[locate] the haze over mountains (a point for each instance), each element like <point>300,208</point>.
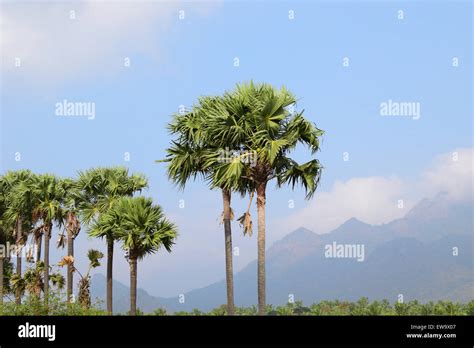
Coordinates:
<point>427,255</point>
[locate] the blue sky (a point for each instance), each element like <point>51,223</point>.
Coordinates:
<point>175,61</point>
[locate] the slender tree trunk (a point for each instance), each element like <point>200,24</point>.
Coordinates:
<point>19,233</point>
<point>47,238</point>
<point>2,259</point>
<point>133,286</point>
<point>39,242</point>
<point>226,196</point>
<point>261,247</point>
<point>70,278</point>
<point>110,260</point>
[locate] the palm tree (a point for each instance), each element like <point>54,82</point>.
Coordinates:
<point>94,257</point>
<point>47,209</point>
<point>16,185</point>
<point>100,188</point>
<point>70,202</point>
<point>194,153</point>
<point>3,237</point>
<point>142,228</point>
<point>270,132</point>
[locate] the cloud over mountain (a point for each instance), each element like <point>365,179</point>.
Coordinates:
<point>378,200</point>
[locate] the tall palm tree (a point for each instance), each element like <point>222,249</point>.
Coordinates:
<point>70,202</point>
<point>142,228</point>
<point>16,186</point>
<point>270,132</point>
<point>194,153</point>
<point>100,188</point>
<point>47,209</point>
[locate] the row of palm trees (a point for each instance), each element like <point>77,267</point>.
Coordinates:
<point>100,198</point>
<point>239,142</point>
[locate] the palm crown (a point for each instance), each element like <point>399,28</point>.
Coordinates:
<point>139,224</point>
<point>269,132</point>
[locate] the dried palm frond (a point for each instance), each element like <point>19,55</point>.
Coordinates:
<point>246,219</point>
<point>61,243</point>
<point>66,261</point>
<point>38,232</point>
<point>246,222</point>
<point>84,292</point>
<point>73,224</point>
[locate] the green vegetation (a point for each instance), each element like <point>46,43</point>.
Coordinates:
<point>363,307</point>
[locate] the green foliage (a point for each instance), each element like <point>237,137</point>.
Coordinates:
<point>362,307</point>
<point>7,274</point>
<point>101,187</point>
<point>32,281</point>
<point>159,312</point>
<point>139,224</point>
<point>94,257</point>
<point>57,306</point>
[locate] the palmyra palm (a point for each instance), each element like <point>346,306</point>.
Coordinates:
<point>17,218</point>
<point>71,200</point>
<point>268,131</point>
<point>47,209</point>
<point>100,189</point>
<point>142,228</point>
<point>195,153</point>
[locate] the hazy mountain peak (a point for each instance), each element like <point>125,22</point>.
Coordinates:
<point>295,245</point>
<point>428,208</point>
<point>300,234</point>
<point>354,221</point>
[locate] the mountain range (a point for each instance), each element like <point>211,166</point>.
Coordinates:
<point>426,255</point>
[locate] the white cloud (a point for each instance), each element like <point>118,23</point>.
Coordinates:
<point>452,173</point>
<point>53,47</point>
<point>375,200</point>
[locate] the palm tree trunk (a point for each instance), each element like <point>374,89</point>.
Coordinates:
<point>133,286</point>
<point>110,260</point>
<point>261,247</point>
<point>47,237</point>
<point>226,196</point>
<point>70,279</point>
<point>1,280</point>
<point>38,247</point>
<point>19,233</point>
